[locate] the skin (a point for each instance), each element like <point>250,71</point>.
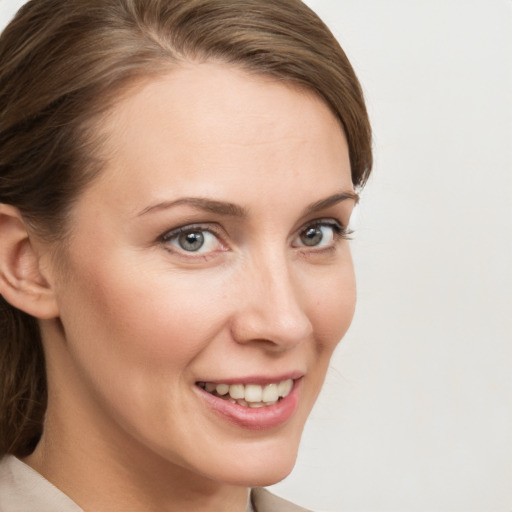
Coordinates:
<point>140,320</point>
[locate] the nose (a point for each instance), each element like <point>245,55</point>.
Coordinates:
<point>271,309</point>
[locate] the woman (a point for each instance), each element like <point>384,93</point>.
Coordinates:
<point>176,181</point>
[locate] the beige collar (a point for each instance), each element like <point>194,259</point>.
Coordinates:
<point>23,488</point>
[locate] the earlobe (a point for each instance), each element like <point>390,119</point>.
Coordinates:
<point>21,282</point>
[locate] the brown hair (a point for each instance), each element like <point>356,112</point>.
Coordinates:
<point>64,63</point>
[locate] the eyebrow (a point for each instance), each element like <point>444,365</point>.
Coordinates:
<point>331,201</point>
<point>208,205</point>
<point>233,210</point>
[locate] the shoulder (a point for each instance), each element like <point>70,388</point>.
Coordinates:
<point>264,501</point>
<point>22,488</point>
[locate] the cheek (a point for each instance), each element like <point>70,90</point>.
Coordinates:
<point>145,317</point>
<point>333,307</point>
<point>133,338</point>
<point>153,320</point>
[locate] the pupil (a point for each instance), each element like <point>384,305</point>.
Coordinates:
<point>312,236</point>
<point>191,241</point>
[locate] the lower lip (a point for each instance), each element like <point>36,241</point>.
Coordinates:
<point>260,418</point>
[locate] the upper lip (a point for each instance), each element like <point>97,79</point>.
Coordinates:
<point>262,380</point>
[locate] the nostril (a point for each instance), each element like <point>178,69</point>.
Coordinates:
<point>270,309</point>
<point>276,333</point>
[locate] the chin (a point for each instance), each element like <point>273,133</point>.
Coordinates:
<point>260,467</point>
<point>262,475</point>
<point>271,475</point>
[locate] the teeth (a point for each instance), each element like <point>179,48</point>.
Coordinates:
<point>285,387</point>
<point>253,393</point>
<point>270,393</point>
<point>250,395</point>
<point>236,391</point>
<point>222,389</point>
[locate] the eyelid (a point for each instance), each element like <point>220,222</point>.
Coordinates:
<point>171,233</point>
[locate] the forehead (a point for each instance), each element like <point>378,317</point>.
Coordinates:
<point>206,127</point>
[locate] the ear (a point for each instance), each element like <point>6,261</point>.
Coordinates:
<point>22,283</point>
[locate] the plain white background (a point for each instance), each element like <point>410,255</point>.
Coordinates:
<point>416,414</point>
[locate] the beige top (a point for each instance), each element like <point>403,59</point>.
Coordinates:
<point>22,489</point>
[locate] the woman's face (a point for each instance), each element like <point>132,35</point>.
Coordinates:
<point>210,253</point>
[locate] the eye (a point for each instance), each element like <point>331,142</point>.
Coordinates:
<point>193,239</point>
<point>320,234</point>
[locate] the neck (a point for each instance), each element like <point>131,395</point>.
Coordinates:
<point>110,481</point>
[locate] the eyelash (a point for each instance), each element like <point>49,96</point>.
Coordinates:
<point>340,232</point>
<point>167,237</point>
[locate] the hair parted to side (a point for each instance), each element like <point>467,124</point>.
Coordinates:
<point>65,63</point>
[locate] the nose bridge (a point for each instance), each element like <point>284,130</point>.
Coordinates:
<point>277,283</point>
<point>273,309</point>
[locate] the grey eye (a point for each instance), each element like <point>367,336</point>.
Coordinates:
<point>191,241</point>
<point>317,235</point>
<point>312,236</point>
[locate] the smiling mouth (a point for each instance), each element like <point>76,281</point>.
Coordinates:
<point>250,395</point>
